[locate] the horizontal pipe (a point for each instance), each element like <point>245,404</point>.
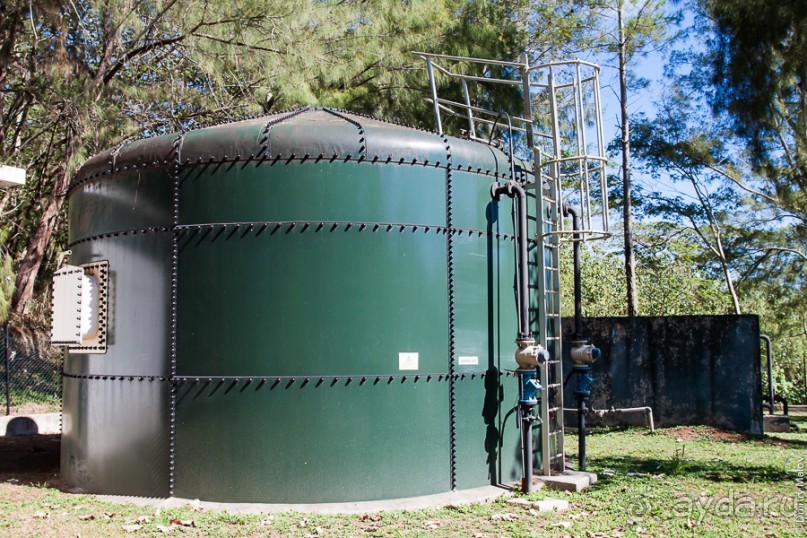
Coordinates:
<point>647,411</point>
<point>477,109</point>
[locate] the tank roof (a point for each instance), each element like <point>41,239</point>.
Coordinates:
<point>303,134</point>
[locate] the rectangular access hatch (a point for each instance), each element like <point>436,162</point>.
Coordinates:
<point>79,313</point>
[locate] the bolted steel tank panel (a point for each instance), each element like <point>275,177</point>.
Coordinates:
<point>311,306</point>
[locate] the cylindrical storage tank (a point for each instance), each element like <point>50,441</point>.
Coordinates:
<point>306,307</point>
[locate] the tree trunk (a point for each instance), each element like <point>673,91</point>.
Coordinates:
<point>31,262</point>
<point>630,262</point>
<point>735,301</point>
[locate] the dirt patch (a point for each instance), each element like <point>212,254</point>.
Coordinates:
<point>29,459</point>
<point>689,433</point>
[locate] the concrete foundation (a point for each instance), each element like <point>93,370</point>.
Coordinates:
<point>569,480</point>
<point>468,496</point>
<point>776,423</point>
<point>46,423</point>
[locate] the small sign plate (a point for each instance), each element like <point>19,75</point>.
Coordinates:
<point>468,361</point>
<point>407,361</point>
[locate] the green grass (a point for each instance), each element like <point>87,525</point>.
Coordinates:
<point>27,401</point>
<point>677,482</point>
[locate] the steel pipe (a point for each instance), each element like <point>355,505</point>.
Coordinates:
<point>516,191</point>
<point>771,395</point>
<point>646,411</point>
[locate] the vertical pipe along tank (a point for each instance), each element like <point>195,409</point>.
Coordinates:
<point>307,307</point>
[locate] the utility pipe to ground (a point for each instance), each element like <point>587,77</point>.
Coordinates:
<point>767,340</point>
<point>516,191</point>
<point>578,334</point>
<point>646,411</point>
<point>528,355</point>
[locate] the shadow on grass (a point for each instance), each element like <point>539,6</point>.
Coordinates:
<point>799,419</point>
<point>711,434</point>
<point>29,459</point>
<point>715,471</point>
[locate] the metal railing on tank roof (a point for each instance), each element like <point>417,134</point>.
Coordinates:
<point>558,121</point>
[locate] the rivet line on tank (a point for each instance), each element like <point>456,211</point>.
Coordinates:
<point>172,401</point>
<point>267,141</point>
<point>451,317</point>
<point>291,380</point>
<point>362,148</point>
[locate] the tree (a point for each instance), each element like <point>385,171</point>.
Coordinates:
<point>672,283</point>
<point>749,235</point>
<point>758,56</point>
<point>631,29</point>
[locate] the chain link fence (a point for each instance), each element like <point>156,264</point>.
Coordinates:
<point>30,376</point>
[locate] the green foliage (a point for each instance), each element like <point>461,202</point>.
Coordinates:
<point>6,278</point>
<point>669,282</point>
<point>746,224</point>
<point>758,53</point>
<point>677,464</point>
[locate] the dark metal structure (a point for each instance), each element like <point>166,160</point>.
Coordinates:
<point>311,306</point>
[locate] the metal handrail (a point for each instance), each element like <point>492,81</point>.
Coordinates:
<point>567,85</point>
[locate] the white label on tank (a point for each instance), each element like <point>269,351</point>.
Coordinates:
<point>407,361</point>
<point>468,361</point>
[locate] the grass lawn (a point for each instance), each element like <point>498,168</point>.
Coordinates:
<point>691,481</point>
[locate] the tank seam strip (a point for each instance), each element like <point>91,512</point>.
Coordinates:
<point>362,142</point>
<point>301,226</point>
<point>452,415</point>
<point>266,141</point>
<point>304,379</point>
<point>61,408</point>
<point>279,159</point>
<point>172,405</point>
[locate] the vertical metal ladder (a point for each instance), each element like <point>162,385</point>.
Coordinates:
<point>551,404</point>
<point>545,189</point>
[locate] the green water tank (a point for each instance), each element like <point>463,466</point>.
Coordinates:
<point>312,306</point>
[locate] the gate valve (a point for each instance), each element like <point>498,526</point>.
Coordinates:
<point>582,353</point>
<point>584,381</point>
<point>528,355</point>
<point>530,387</point>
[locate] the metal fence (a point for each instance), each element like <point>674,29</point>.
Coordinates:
<point>30,376</point>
